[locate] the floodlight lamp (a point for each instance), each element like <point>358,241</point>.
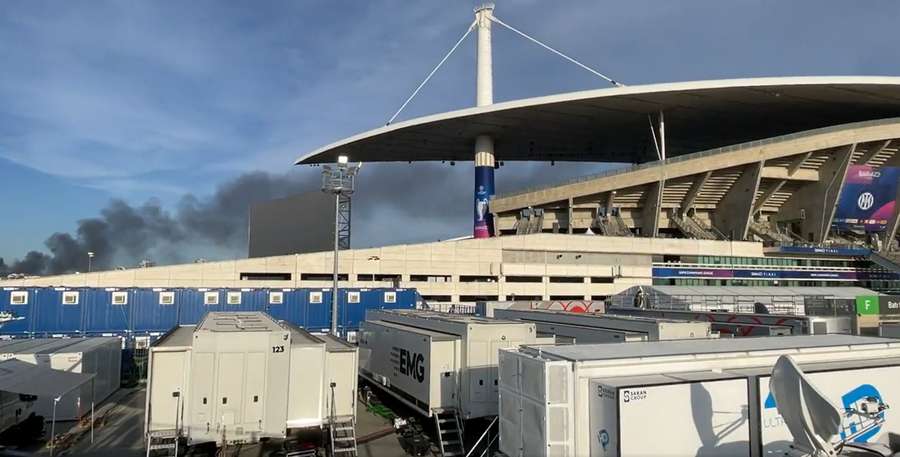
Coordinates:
<point>343,159</point>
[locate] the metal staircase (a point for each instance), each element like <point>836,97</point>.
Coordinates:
<point>449,433</point>
<point>691,228</point>
<point>342,433</point>
<point>621,227</point>
<point>767,233</point>
<point>530,221</point>
<point>888,260</point>
<point>708,228</point>
<point>162,443</point>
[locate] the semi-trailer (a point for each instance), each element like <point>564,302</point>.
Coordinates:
<point>240,377</point>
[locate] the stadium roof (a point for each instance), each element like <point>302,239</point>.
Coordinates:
<point>612,124</point>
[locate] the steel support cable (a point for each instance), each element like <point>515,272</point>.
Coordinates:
<point>559,53</point>
<point>433,71</point>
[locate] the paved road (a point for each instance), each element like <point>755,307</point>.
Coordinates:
<point>120,434</point>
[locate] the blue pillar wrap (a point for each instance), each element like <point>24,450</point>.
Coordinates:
<point>484,190</point>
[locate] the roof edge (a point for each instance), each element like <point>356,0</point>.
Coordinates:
<point>309,158</point>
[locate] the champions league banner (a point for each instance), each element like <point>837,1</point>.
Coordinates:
<point>868,198</point>
<point>484,190</point>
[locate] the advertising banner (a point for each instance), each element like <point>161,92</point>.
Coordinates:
<point>724,273</point>
<point>867,199</point>
<point>829,251</point>
<point>484,190</point>
<point>889,304</point>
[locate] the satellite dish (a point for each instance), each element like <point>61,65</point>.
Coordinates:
<point>811,418</point>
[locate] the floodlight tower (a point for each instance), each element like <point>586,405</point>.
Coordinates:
<point>484,143</point>
<point>339,179</point>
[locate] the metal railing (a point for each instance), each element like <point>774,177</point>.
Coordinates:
<point>491,439</point>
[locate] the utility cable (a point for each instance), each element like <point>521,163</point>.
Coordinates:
<point>559,53</point>
<point>433,71</point>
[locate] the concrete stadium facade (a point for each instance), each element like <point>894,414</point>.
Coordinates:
<point>538,266</point>
<point>735,192</point>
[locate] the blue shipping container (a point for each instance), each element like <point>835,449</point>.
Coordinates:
<point>143,311</point>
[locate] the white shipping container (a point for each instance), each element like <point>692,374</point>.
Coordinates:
<point>702,414</point>
<point>100,356</point>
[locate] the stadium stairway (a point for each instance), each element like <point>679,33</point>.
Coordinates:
<point>888,260</point>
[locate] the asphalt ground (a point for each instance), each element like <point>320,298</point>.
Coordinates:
<point>118,432</point>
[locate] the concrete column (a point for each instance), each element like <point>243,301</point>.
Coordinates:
<point>817,200</point>
<point>484,94</point>
<point>484,144</point>
<point>652,207</point>
<point>692,194</point>
<point>732,214</point>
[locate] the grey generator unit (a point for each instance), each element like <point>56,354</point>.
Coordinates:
<point>99,356</point>
<point>586,328</point>
<point>238,377</point>
<point>436,362</point>
<point>676,398</point>
<point>889,329</point>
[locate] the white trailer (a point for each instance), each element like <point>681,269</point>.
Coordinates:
<point>608,328</point>
<point>242,376</point>
<point>436,361</point>
<point>549,400</point>
<point>98,356</point>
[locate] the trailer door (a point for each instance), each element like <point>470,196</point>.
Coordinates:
<point>254,398</point>
<point>230,390</point>
<point>202,391</point>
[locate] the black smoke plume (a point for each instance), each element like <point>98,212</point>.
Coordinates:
<point>124,235</point>
<point>395,203</point>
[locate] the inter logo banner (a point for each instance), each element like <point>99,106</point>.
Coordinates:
<point>867,199</point>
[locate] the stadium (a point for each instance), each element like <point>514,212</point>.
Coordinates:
<point>788,181</point>
<point>744,228</point>
<point>757,183</point>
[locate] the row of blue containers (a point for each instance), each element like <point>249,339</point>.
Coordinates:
<point>137,311</point>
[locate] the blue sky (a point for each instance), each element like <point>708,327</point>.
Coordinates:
<point>139,100</point>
